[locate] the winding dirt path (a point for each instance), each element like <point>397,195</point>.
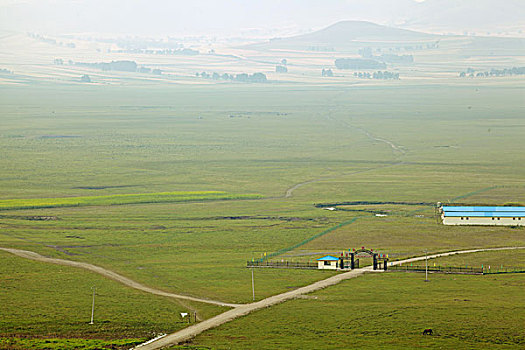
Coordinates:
<point>192,331</point>
<point>393,146</point>
<point>289,191</point>
<point>388,142</point>
<point>110,274</point>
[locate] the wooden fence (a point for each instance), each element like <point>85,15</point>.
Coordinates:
<point>438,269</point>
<point>282,264</point>
<point>406,268</point>
<point>504,269</point>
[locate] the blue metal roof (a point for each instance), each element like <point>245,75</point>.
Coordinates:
<point>328,258</point>
<point>504,212</point>
<point>481,214</point>
<point>483,209</point>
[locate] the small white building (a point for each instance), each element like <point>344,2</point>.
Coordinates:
<point>327,263</point>
<point>504,216</point>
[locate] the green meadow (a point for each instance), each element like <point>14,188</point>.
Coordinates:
<point>266,155</point>
<point>387,311</point>
<point>53,303</point>
<point>496,260</point>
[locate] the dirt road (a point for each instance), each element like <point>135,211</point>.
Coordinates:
<point>190,332</point>
<point>110,274</point>
<point>238,309</point>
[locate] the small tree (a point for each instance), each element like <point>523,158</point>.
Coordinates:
<point>243,77</point>
<point>327,73</point>
<point>258,78</point>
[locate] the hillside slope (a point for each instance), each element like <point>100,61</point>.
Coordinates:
<point>346,34</point>
<point>351,36</point>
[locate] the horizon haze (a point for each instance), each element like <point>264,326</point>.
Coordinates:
<point>262,19</point>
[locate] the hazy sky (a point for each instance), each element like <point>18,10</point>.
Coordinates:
<point>250,17</point>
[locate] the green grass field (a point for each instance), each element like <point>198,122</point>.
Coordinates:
<point>45,301</point>
<point>458,143</point>
<point>497,260</point>
<point>387,311</point>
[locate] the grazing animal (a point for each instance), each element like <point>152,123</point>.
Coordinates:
<point>427,331</point>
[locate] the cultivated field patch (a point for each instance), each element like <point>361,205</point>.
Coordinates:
<point>121,199</point>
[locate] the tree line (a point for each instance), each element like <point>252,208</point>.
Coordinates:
<point>181,52</point>
<point>471,72</point>
<point>386,57</point>
<point>358,63</point>
<point>122,66</point>
<point>242,77</point>
<point>385,75</point>
<point>50,40</point>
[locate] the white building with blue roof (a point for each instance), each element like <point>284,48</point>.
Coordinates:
<point>327,263</point>
<point>504,216</point>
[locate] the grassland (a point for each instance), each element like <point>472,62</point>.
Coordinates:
<point>53,303</point>
<point>61,343</point>
<point>402,237</point>
<point>497,260</point>
<point>120,199</point>
<point>387,311</point>
<point>97,141</point>
<point>178,247</point>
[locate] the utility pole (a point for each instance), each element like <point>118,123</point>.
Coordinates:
<point>93,305</point>
<point>253,287</point>
<point>426,266</point>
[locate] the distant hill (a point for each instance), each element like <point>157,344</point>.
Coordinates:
<point>345,34</point>
<point>353,36</point>
<point>344,31</point>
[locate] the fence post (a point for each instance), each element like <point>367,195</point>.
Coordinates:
<point>253,287</point>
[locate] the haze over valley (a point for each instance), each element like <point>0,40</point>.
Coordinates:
<point>262,175</point>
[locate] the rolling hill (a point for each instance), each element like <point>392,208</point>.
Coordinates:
<point>348,34</point>
<point>351,36</point>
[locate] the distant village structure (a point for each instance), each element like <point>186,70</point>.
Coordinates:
<point>501,216</point>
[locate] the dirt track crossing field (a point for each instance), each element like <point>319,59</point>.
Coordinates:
<point>238,309</point>
<point>110,274</point>
<point>190,332</point>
